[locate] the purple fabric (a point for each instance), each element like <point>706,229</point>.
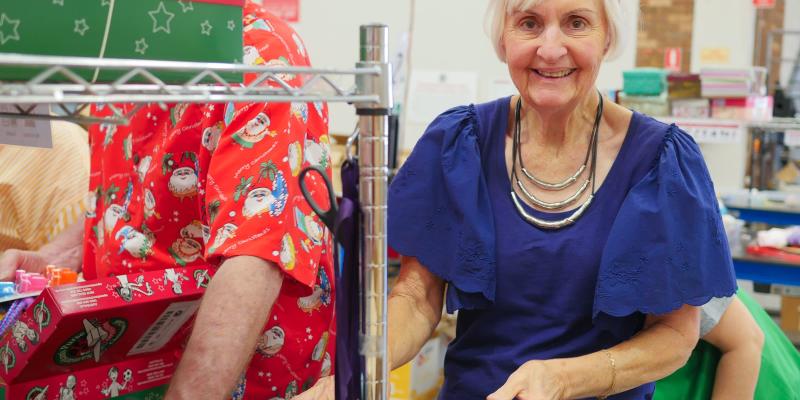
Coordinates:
<point>348,358</point>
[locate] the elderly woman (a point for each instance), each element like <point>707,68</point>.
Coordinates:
<point>574,237</point>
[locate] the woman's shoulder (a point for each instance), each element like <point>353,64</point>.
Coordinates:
<point>648,138</point>
<point>472,121</point>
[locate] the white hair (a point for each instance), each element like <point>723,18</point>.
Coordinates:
<point>498,10</point>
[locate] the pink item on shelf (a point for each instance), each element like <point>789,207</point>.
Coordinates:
<point>751,108</point>
<point>37,283</point>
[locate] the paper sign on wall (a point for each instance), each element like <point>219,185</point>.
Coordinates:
<point>715,55</point>
<point>25,132</point>
<point>288,10</point>
<point>710,131</point>
<point>434,92</point>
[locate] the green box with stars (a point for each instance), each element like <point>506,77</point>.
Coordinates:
<point>177,30</point>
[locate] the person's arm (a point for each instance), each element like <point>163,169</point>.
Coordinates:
<point>64,251</point>
<point>740,340</point>
<point>415,308</point>
<point>229,321</point>
<point>663,346</point>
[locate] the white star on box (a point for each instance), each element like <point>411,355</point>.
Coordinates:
<point>205,28</point>
<point>161,18</point>
<point>4,34</point>
<point>231,25</point>
<point>141,48</point>
<point>59,2</point>
<point>186,5</point>
<point>105,2</point>
<point>80,26</point>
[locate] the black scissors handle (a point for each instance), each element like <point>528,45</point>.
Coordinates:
<point>328,216</point>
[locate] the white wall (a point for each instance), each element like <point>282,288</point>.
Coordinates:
<point>448,37</point>
<point>724,24</point>
<point>728,24</point>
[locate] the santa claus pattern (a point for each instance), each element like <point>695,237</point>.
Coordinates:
<point>192,184</point>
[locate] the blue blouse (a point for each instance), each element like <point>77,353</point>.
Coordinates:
<point>651,241</point>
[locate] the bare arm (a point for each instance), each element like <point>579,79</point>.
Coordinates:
<point>740,340</point>
<point>231,316</point>
<point>415,307</point>
<point>64,251</point>
<point>663,346</point>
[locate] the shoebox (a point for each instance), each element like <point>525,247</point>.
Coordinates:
<point>178,30</point>
<point>650,105</point>
<point>751,108</point>
<point>690,108</point>
<point>422,377</point>
<point>119,336</point>
<point>644,81</point>
<point>683,86</point>
<point>790,313</point>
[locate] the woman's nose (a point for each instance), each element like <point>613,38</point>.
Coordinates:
<point>552,47</point>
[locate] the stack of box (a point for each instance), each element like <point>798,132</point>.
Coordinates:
<point>644,90</point>
<point>685,97</point>
<point>99,339</point>
<point>737,93</point>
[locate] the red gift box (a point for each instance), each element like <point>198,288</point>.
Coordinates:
<point>102,338</point>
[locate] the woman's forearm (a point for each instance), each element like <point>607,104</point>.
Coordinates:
<point>735,378</point>
<point>657,351</point>
<point>415,308</point>
<point>409,329</point>
<point>740,339</point>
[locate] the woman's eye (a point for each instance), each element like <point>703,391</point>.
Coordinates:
<point>577,23</point>
<point>528,24</point>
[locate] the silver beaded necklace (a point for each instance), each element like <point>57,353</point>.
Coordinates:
<point>591,153</point>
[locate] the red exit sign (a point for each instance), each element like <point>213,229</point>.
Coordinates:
<point>764,3</point>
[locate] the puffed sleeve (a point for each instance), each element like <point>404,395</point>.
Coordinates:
<point>667,246</point>
<point>440,213</point>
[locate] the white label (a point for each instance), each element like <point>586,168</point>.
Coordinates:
<point>713,132</point>
<point>26,132</point>
<point>433,92</point>
<point>791,137</point>
<point>165,327</point>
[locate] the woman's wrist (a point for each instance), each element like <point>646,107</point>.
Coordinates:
<point>559,377</point>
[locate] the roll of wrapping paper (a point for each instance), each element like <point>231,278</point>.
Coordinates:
<point>17,308</point>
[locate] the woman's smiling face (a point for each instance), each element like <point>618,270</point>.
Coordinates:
<point>554,51</point>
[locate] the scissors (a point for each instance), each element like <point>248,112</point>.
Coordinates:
<point>328,217</point>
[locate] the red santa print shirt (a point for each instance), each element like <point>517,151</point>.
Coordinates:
<point>195,184</point>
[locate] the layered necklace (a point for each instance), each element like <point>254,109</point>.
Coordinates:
<point>589,160</point>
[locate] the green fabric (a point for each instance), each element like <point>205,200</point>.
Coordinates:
<point>779,377</point>
<point>139,29</point>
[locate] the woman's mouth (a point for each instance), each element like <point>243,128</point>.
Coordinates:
<point>554,74</point>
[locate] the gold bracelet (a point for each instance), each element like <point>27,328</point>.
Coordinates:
<point>613,375</point>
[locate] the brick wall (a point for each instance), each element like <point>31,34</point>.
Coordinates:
<point>662,24</point>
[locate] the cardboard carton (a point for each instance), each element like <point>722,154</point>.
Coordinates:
<point>103,338</point>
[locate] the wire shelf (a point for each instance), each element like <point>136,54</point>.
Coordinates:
<point>59,84</point>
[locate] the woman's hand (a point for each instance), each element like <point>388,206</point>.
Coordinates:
<point>534,380</point>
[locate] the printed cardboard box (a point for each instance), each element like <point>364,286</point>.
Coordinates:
<point>422,377</point>
<point>103,338</point>
<point>178,30</point>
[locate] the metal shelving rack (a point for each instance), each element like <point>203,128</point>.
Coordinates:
<point>59,84</point>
